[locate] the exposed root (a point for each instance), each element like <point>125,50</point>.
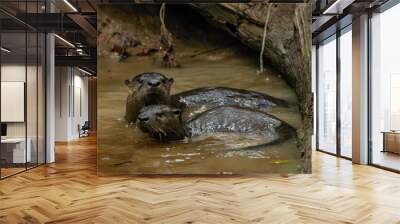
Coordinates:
<point>167,47</point>
<point>261,69</point>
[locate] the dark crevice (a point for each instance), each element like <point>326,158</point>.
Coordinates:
<point>232,28</point>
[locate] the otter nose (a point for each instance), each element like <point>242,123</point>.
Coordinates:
<point>143,119</point>
<point>154,83</point>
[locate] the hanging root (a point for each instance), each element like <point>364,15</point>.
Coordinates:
<point>167,47</point>
<point>261,70</point>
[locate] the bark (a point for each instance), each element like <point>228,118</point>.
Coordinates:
<point>287,47</point>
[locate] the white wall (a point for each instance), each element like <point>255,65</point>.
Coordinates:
<point>11,73</point>
<point>71,102</point>
<point>62,81</point>
<point>16,73</point>
<point>13,101</point>
<point>33,127</point>
<point>80,104</point>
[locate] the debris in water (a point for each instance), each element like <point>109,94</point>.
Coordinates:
<point>279,161</point>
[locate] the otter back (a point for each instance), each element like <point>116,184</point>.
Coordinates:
<point>202,99</point>
<point>240,120</point>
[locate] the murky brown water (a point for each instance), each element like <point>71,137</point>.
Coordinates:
<point>125,150</point>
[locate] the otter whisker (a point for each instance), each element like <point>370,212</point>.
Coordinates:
<point>161,131</point>
<point>160,136</point>
<point>158,130</point>
<point>140,86</point>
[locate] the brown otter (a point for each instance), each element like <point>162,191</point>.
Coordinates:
<point>196,101</point>
<point>165,123</point>
<point>162,122</point>
<point>146,89</point>
<point>154,88</point>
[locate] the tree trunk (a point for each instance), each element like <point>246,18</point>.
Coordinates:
<point>287,47</point>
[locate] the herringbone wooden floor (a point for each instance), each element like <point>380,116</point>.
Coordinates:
<point>69,191</point>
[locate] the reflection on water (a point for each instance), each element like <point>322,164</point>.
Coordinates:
<point>123,149</point>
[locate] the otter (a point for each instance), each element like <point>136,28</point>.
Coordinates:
<point>205,98</point>
<point>146,89</point>
<point>154,88</point>
<point>165,123</point>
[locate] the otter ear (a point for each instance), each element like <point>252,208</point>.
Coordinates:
<point>127,82</point>
<point>169,83</point>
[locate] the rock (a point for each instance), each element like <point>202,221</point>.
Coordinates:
<point>287,48</point>
<point>126,38</point>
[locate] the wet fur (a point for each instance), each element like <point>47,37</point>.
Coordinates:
<point>142,94</point>
<point>220,119</point>
<point>162,122</point>
<point>226,96</point>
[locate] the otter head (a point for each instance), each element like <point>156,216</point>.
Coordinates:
<point>162,122</point>
<point>150,88</point>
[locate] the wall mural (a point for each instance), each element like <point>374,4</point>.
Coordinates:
<point>222,88</point>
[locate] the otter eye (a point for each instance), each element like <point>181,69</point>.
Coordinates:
<point>143,119</point>
<point>176,112</point>
<point>164,81</point>
<point>140,81</point>
<point>159,114</point>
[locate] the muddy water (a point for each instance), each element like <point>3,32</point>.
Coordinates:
<point>124,150</point>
